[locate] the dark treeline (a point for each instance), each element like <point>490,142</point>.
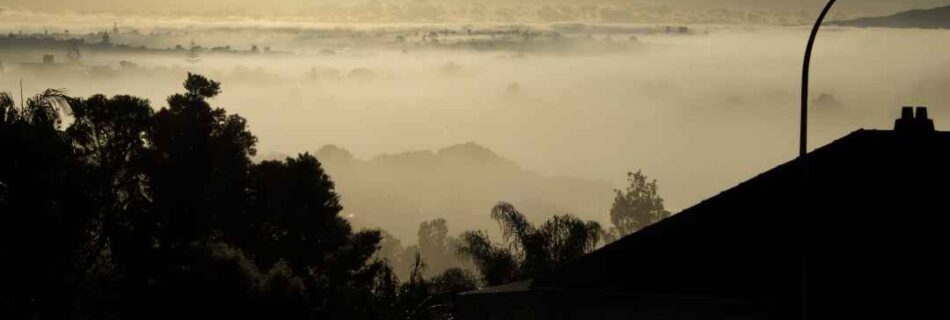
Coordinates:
<point>114,210</point>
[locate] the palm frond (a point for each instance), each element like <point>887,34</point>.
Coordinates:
<point>496,264</point>
<point>595,234</point>
<point>8,111</point>
<point>568,237</point>
<point>48,107</point>
<point>475,245</point>
<point>515,228</point>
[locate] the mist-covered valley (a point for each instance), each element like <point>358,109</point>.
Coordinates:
<point>423,159</point>
<point>698,107</point>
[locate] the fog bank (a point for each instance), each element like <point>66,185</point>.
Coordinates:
<point>700,112</point>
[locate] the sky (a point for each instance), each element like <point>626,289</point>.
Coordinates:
<point>863,6</point>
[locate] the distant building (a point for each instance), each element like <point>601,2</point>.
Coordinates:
<point>193,53</point>
<point>105,42</point>
<point>48,66</point>
<point>856,230</point>
<point>74,54</point>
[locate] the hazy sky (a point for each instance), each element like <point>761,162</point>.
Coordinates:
<point>700,113</point>
<point>868,6</point>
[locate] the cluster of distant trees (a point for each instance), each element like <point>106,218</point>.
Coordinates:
<point>435,248</point>
<point>528,250</point>
<point>113,209</point>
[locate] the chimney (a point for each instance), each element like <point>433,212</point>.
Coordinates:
<point>926,124</point>
<point>907,113</point>
<point>912,120</point>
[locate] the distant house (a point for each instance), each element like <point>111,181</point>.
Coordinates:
<point>48,67</point>
<point>856,230</point>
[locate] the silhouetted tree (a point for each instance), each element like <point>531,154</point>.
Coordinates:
<point>46,209</point>
<point>528,251</point>
<point>297,212</point>
<point>108,136</point>
<point>8,111</point>
<point>392,251</point>
<point>283,294</point>
<point>199,165</point>
<point>181,179</point>
<point>437,248</point>
<point>216,281</point>
<point>638,206</point>
<point>496,264</point>
<point>112,210</point>
<point>294,213</point>
<point>421,298</point>
<point>454,280</point>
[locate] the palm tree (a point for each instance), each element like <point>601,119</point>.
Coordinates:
<point>44,109</point>
<point>527,251</point>
<point>8,112</point>
<point>46,215</point>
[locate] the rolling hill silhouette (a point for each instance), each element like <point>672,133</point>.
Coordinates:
<point>459,183</point>
<point>935,18</point>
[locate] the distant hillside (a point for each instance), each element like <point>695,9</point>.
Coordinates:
<point>936,18</point>
<point>460,183</point>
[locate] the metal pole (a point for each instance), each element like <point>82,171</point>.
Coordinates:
<point>803,150</point>
<point>803,142</point>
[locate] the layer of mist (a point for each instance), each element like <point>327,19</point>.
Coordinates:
<point>699,110</point>
<point>460,183</point>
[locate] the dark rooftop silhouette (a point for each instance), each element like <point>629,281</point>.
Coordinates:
<point>866,241</point>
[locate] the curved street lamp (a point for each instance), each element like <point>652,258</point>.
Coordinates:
<point>803,140</point>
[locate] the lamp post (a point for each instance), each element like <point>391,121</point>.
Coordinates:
<point>803,140</point>
<point>803,150</point>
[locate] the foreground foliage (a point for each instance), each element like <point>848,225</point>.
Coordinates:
<point>113,209</point>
